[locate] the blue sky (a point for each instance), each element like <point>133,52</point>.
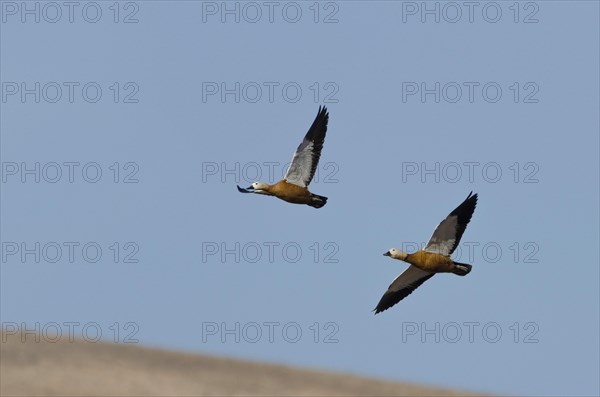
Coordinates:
<point>125,130</point>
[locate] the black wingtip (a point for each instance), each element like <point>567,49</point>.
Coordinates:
<point>472,196</point>
<point>383,305</point>
<point>380,309</point>
<point>318,129</point>
<point>464,213</point>
<point>323,114</point>
<point>467,206</point>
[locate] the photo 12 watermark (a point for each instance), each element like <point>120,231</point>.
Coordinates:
<point>271,12</point>
<point>71,331</point>
<point>266,171</point>
<point>70,92</point>
<point>69,172</point>
<point>471,12</point>
<point>474,252</point>
<point>270,332</point>
<point>70,12</point>
<point>469,332</point>
<point>270,92</point>
<point>69,252</point>
<point>268,252</point>
<point>525,172</point>
<point>470,92</point>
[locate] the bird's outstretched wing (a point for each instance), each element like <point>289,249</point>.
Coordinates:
<point>402,286</point>
<point>447,234</point>
<point>305,160</point>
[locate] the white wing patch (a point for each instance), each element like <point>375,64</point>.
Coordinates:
<point>443,238</point>
<point>448,233</point>
<point>299,171</point>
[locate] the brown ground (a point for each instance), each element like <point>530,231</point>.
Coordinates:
<point>104,369</point>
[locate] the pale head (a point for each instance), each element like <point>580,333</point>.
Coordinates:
<point>260,187</point>
<point>256,187</point>
<point>396,254</point>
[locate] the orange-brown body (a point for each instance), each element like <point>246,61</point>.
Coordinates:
<point>290,192</point>
<point>431,262</point>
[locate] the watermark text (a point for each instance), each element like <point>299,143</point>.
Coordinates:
<point>269,332</point>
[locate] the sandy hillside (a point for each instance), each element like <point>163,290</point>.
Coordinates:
<point>83,368</point>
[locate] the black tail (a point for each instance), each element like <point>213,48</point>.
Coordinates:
<point>462,269</point>
<point>317,201</point>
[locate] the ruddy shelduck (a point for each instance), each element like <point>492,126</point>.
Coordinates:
<point>293,188</point>
<point>434,258</point>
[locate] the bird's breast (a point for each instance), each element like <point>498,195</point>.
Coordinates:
<point>290,192</point>
<point>430,262</point>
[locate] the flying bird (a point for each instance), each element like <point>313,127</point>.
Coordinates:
<point>293,188</point>
<point>434,258</point>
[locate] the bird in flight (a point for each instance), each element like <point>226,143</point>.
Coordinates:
<point>434,258</point>
<point>293,188</point>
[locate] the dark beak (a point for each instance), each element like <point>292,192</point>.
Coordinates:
<point>250,189</point>
<point>387,254</point>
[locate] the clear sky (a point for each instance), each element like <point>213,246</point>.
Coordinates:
<point>125,129</point>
